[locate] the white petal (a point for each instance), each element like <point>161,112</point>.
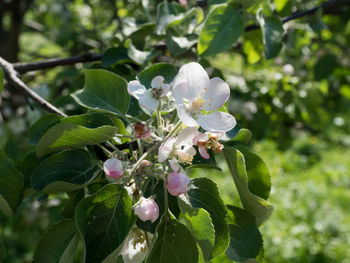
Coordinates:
<point>148,101</point>
<point>185,117</point>
<point>174,165</point>
<point>196,78</point>
<point>185,137</point>
<point>216,95</point>
<point>157,82</point>
<point>165,90</point>
<point>136,89</point>
<point>217,122</point>
<point>181,92</point>
<point>165,149</point>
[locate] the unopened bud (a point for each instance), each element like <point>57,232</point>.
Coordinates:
<point>113,168</point>
<point>177,183</point>
<point>141,130</point>
<point>147,209</point>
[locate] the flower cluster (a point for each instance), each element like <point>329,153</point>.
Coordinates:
<point>201,125</point>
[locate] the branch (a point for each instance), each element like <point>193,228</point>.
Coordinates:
<point>324,6</point>
<point>90,57</point>
<point>51,63</point>
<point>12,77</point>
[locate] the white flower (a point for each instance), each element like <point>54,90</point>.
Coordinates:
<point>113,167</point>
<point>147,209</point>
<point>181,146</point>
<point>196,95</point>
<point>149,98</point>
<point>135,246</point>
<point>208,140</point>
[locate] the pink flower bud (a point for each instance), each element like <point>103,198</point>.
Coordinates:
<point>113,168</point>
<point>177,183</point>
<point>147,209</point>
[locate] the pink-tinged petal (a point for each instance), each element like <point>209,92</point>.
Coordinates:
<point>157,82</point>
<point>186,136</point>
<point>185,116</point>
<point>201,137</point>
<point>165,149</point>
<point>136,89</point>
<point>147,209</point>
<point>217,121</point>
<point>113,168</point>
<point>148,101</point>
<point>203,152</point>
<point>174,165</point>
<point>195,76</point>
<point>177,183</point>
<point>216,95</point>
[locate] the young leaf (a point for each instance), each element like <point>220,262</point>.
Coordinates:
<point>11,186</point>
<point>104,220</point>
<point>205,194</point>
<point>173,243</point>
<point>114,55</point>
<point>138,56</point>
<point>64,171</point>
<point>254,204</point>
<point>223,26</point>
<point>58,244</point>
<point>259,179</point>
<point>246,240</point>
<point>168,71</point>
<point>179,45</point>
<point>1,79</point>
<point>199,222</point>
<point>272,32</point>
<point>104,91</point>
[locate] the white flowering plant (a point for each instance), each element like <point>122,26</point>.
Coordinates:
<point>128,176</point>
<point>123,168</point>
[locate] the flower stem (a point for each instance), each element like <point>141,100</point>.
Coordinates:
<point>173,131</point>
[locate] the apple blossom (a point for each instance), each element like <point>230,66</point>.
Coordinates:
<point>113,168</point>
<point>135,246</point>
<point>181,146</point>
<point>149,98</point>
<point>196,96</point>
<point>206,141</point>
<point>147,209</point>
<point>177,181</point>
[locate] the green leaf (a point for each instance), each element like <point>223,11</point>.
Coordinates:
<point>38,129</point>
<point>246,240</point>
<point>11,186</point>
<point>64,171</point>
<point>173,243</point>
<point>325,66</point>
<point>104,91</point>
<point>199,222</point>
<point>222,28</point>
<point>104,220</point>
<point>76,131</point>
<point>316,22</point>
<point>237,136</point>
<point>27,166</point>
<point>165,14</point>
<point>185,23</point>
<point>272,32</point>
<point>253,46</point>
<point>199,162</point>
<point>1,79</point>
<point>254,204</point>
<point>115,55</point>
<point>179,45</point>
<point>168,71</point>
<point>205,194</point>
<point>138,56</point>
<point>259,179</point>
<point>280,4</point>
<point>68,210</point>
<point>58,244</point>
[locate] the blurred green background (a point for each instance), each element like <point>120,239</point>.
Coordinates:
<point>297,106</point>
